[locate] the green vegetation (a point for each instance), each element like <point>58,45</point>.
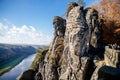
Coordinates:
<point>40,55</point>
<point>11,63</point>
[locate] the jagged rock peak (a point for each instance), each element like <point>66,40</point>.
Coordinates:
<point>74,66</point>
<point>58,18</point>
<point>70,6</point>
<point>76,49</point>
<point>90,13</point>
<point>59,26</point>
<point>53,56</point>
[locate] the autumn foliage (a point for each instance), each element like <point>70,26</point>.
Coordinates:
<point>109,12</point>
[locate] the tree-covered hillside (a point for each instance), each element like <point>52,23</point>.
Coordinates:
<point>10,55</point>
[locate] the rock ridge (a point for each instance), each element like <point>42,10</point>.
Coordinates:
<point>77,51</point>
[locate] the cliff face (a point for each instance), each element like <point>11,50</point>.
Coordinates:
<point>51,65</point>
<point>77,51</point>
<point>81,37</point>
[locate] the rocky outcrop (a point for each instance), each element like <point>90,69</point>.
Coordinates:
<point>77,50</point>
<point>108,73</point>
<point>27,75</point>
<point>112,56</point>
<point>74,43</point>
<point>38,76</point>
<point>80,43</point>
<point>49,69</point>
<point>94,34</point>
<point>108,69</point>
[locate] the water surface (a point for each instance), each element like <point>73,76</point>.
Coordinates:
<point>15,72</point>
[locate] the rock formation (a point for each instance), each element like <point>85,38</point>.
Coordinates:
<point>112,56</point>
<point>77,51</point>
<point>27,75</point>
<point>74,44</point>
<point>55,51</point>
<point>81,42</point>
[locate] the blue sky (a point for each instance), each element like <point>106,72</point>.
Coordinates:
<point>20,15</point>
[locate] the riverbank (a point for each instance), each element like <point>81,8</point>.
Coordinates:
<point>7,67</point>
<point>18,69</point>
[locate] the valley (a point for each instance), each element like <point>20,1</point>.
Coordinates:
<point>11,55</point>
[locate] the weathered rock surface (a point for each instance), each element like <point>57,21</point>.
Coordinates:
<point>74,43</point>
<point>81,39</point>
<point>77,51</point>
<point>38,76</point>
<point>49,70</point>
<point>112,57</point>
<point>98,64</point>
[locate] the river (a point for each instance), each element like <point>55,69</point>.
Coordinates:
<point>15,72</point>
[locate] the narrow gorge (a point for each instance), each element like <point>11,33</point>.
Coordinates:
<point>77,51</point>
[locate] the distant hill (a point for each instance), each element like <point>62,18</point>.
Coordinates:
<point>8,51</point>
<point>10,55</point>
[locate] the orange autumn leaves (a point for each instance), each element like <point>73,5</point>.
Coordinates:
<point>109,11</point>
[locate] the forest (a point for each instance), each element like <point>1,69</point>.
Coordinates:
<point>109,15</point>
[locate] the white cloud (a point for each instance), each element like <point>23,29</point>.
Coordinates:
<point>22,35</point>
<point>3,27</point>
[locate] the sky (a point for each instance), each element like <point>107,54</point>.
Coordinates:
<point>30,21</point>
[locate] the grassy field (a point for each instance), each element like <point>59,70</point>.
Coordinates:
<point>11,63</point>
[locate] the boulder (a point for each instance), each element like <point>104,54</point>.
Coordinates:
<point>108,73</point>
<point>27,75</point>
